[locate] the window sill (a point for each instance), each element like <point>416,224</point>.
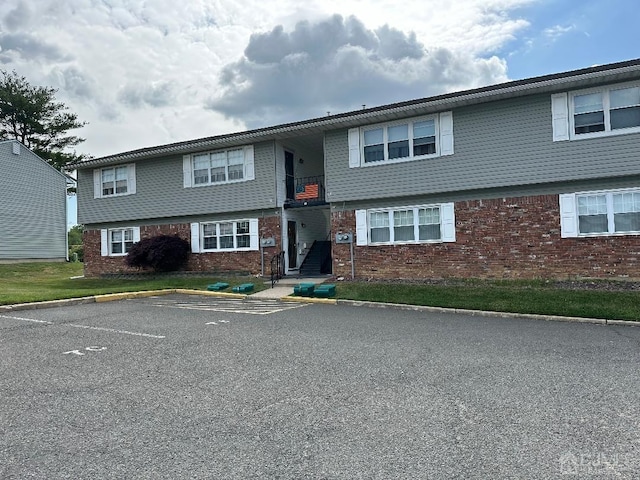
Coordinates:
<point>607,234</point>
<point>399,160</point>
<point>227,250</point>
<point>218,183</point>
<point>391,244</point>
<point>611,133</point>
<point>116,195</point>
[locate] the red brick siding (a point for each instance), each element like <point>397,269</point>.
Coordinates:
<point>95,264</point>
<point>499,238</point>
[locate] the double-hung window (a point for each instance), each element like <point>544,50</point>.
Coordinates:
<point>609,110</point>
<point>117,242</point>
<point>401,141</point>
<point>238,235</point>
<point>416,224</point>
<point>114,181</point>
<point>219,167</point>
<point>120,241</point>
<point>614,212</point>
<point>596,112</point>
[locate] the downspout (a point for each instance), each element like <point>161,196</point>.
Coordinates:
<point>353,267</point>
<point>66,221</point>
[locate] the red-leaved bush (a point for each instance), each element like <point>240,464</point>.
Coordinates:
<point>164,253</point>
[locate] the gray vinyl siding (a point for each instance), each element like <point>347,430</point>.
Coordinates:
<point>33,210</point>
<point>492,193</point>
<point>160,192</point>
<point>500,144</point>
<point>211,217</point>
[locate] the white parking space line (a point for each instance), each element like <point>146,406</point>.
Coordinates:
<point>232,306</point>
<point>111,330</point>
<point>88,327</point>
<point>27,319</point>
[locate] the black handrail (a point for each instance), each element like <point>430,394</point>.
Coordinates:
<point>277,268</point>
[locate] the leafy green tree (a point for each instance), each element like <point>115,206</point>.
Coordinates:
<point>75,235</point>
<point>76,249</point>
<point>32,116</point>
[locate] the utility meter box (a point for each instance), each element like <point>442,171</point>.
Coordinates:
<point>344,237</point>
<point>268,242</point>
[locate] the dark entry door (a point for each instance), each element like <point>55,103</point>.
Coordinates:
<point>288,171</point>
<point>292,245</point>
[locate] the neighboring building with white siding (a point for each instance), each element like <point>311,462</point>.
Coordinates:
<point>536,178</point>
<point>33,211</point>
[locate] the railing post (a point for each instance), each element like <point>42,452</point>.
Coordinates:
<point>277,268</point>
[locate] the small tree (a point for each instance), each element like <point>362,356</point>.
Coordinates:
<point>164,253</point>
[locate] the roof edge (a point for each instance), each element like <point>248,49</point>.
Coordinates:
<point>477,95</point>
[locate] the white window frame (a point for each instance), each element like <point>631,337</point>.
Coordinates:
<point>130,179</point>
<point>248,169</point>
<point>570,215</point>
<point>198,235</point>
<point>447,224</point>
<point>106,243</point>
<point>606,106</point>
<point>443,133</point>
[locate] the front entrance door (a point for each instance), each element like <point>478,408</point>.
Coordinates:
<point>292,245</point>
<point>289,175</point>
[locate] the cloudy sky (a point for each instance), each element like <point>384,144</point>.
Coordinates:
<point>149,72</point>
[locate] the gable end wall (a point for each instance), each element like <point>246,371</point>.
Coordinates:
<point>33,210</point>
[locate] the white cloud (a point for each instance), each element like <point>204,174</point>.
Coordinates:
<point>557,31</point>
<point>143,72</point>
<point>338,64</point>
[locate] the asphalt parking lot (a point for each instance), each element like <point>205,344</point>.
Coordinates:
<point>199,387</point>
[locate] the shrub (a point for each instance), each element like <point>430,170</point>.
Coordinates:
<point>76,253</point>
<point>164,253</point>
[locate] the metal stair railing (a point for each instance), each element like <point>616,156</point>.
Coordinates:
<point>277,268</point>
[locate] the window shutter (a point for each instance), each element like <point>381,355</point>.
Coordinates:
<point>195,238</point>
<point>354,147</point>
<point>568,216</point>
<point>253,234</point>
<point>447,222</point>
<point>136,234</point>
<point>446,133</point>
<point>249,168</point>
<point>97,183</point>
<point>131,178</point>
<point>186,171</point>
<point>361,227</point>
<point>560,117</point>
<point>104,243</point>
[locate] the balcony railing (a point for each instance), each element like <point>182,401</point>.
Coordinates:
<point>308,191</point>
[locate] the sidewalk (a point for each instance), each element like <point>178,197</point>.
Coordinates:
<point>284,287</point>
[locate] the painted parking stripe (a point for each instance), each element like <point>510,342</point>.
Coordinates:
<point>232,306</point>
<point>27,319</point>
<point>112,330</point>
<point>88,327</point>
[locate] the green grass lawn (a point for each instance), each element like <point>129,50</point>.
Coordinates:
<point>505,296</point>
<point>32,282</point>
